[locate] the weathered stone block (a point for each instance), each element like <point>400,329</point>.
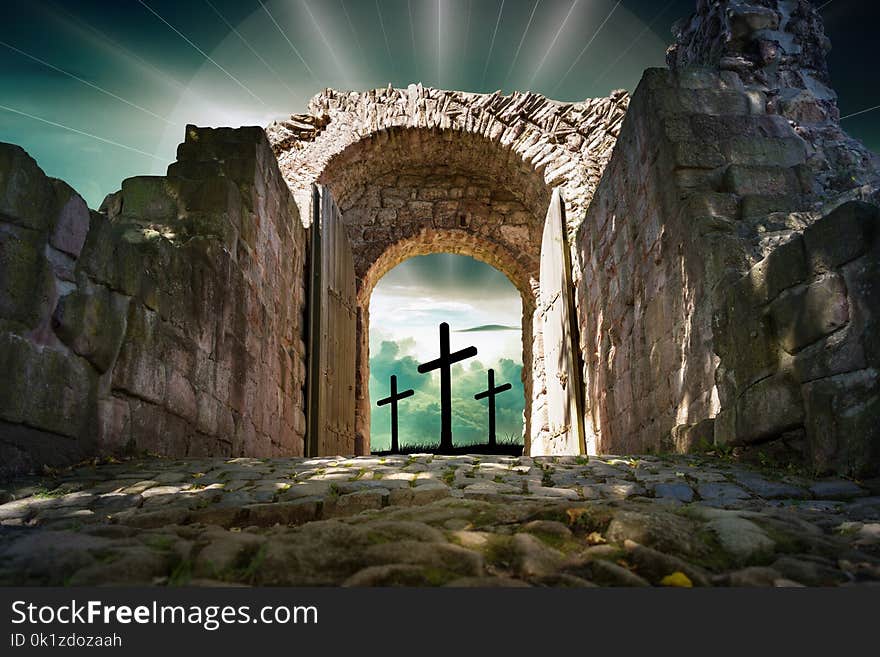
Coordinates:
<point>769,408</point>
<point>181,396</point>
<point>71,221</point>
<point>147,199</point>
<point>843,423</point>
<point>139,370</point>
<point>717,102</point>
<point>46,388</point>
<point>92,322</point>
<point>782,269</point>
<point>691,438</point>
<point>698,155</point>
<point>26,284</point>
<point>839,353</point>
<point>804,314</point>
<point>762,180</point>
<point>15,352</point>
<point>24,448</point>
<point>743,335</point>
<point>114,425</point>
<point>756,151</point>
<point>759,205</point>
<point>26,195</point>
<point>842,235</point>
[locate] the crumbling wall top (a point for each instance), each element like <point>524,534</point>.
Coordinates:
<point>567,144</point>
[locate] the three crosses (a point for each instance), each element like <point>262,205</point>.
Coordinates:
<point>444,364</point>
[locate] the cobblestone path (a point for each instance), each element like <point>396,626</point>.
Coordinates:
<point>438,520</point>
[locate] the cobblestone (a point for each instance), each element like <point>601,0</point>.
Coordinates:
<point>435,520</point>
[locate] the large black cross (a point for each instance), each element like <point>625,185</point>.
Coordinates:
<point>490,393</point>
<point>392,399</point>
<point>444,364</point>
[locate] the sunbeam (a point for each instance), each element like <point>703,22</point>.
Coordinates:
<point>632,43</point>
<point>385,36</point>
<point>81,132</point>
<point>521,41</point>
<point>492,45</point>
<point>440,42</point>
<point>864,111</point>
<point>586,47</point>
<point>86,82</point>
<point>248,45</point>
<point>552,45</point>
<point>286,38</point>
<point>330,48</point>
<point>357,41</point>
<point>412,35</point>
<point>203,53</point>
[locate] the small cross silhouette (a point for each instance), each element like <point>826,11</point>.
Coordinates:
<point>392,399</point>
<point>490,392</point>
<point>444,364</point>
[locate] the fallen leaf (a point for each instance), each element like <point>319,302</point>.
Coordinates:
<point>677,578</point>
<point>595,538</point>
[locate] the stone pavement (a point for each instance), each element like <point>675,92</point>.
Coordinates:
<point>438,520</point>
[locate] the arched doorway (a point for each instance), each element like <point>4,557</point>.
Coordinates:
<point>478,175</point>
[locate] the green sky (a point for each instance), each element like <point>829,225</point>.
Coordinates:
<point>135,78</point>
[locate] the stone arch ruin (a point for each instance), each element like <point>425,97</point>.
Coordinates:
<point>421,171</point>
<point>722,247</point>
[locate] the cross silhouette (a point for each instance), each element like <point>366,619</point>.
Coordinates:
<point>392,399</point>
<point>490,393</point>
<point>444,364</point>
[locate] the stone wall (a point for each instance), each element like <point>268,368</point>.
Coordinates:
<point>799,340</point>
<point>725,168</point>
<point>681,204</point>
<point>777,49</point>
<point>170,322</point>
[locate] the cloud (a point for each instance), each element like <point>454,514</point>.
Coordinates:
<point>489,327</point>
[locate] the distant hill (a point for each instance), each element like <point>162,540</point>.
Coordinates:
<point>490,327</point>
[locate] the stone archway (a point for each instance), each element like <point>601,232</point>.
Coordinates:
<point>426,242</point>
<point>421,171</point>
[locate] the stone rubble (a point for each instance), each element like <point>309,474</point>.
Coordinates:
<point>438,520</point>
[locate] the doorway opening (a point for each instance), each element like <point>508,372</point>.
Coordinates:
<point>484,310</point>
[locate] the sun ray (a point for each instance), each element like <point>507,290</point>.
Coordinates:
<point>82,132</point>
<point>521,41</point>
<point>327,44</point>
<point>385,36</point>
<point>864,111</point>
<point>412,35</point>
<point>86,82</point>
<point>253,50</point>
<point>552,44</point>
<point>585,48</point>
<point>96,37</point>
<point>440,43</point>
<point>632,43</point>
<point>492,45</point>
<point>353,31</point>
<point>203,53</point>
<point>286,38</point>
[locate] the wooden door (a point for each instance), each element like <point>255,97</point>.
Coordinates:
<point>563,427</point>
<point>332,339</point>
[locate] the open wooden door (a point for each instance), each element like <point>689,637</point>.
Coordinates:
<point>563,431</point>
<point>332,333</point>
